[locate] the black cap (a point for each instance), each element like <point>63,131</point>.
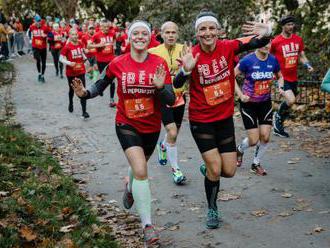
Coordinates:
<point>286,19</point>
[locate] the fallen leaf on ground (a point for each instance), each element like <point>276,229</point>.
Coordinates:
<point>285,214</point>
<point>66,229</point>
<point>291,162</point>
<point>287,195</point>
<point>318,229</point>
<point>259,213</point>
<point>229,196</point>
<point>173,228</point>
<point>27,234</point>
<point>4,193</point>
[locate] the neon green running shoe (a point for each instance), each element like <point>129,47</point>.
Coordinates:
<point>178,177</point>
<point>162,155</point>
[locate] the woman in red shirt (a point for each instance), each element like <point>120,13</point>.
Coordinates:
<point>55,40</point>
<point>144,82</point>
<point>72,55</point>
<point>211,107</point>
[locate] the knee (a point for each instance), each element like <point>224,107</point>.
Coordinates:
<point>172,134</point>
<point>214,171</point>
<point>264,138</point>
<point>229,171</point>
<point>140,174</point>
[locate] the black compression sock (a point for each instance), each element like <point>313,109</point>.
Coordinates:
<point>211,190</point>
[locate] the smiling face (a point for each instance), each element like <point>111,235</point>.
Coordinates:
<point>170,34</point>
<point>207,33</point>
<point>73,35</point>
<point>104,27</point>
<point>140,39</point>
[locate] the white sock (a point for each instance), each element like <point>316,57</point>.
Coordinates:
<point>244,145</point>
<point>259,152</point>
<point>130,179</point>
<point>164,142</point>
<point>142,199</point>
<point>172,155</point>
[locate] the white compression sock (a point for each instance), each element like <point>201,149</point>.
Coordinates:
<point>172,155</point>
<point>259,152</point>
<point>164,142</point>
<point>142,199</point>
<point>244,145</point>
<point>130,179</point>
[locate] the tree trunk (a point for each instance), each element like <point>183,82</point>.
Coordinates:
<point>67,8</point>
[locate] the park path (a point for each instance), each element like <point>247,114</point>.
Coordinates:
<point>287,208</point>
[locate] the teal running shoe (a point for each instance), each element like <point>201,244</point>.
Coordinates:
<point>212,219</point>
<point>178,177</point>
<point>202,169</point>
<point>162,155</point>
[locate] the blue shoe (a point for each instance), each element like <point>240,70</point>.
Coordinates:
<point>178,177</point>
<point>212,219</point>
<point>162,156</point>
<point>202,169</point>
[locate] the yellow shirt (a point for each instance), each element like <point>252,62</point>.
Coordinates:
<point>170,57</point>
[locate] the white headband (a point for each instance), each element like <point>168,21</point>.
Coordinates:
<point>206,19</point>
<point>136,25</point>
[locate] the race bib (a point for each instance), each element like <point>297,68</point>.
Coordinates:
<point>58,45</point>
<point>291,62</point>
<point>262,87</point>
<point>217,93</point>
<point>137,108</point>
<point>107,49</point>
<point>78,67</point>
<point>39,42</point>
<point>179,100</point>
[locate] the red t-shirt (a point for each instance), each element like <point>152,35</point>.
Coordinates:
<point>212,83</point>
<point>106,53</point>
<point>287,51</point>
<point>87,38</point>
<point>74,53</point>
<point>39,36</point>
<point>58,44</point>
<point>138,104</point>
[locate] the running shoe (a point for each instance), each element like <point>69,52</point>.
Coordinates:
<point>258,170</point>
<point>151,236</point>
<point>239,157</point>
<point>178,177</point>
<point>128,199</point>
<point>212,220</point>
<point>85,115</point>
<point>39,78</point>
<point>70,108</point>
<point>42,78</point>
<point>56,73</point>
<point>162,156</point>
<point>61,76</point>
<point>202,169</point>
<point>112,103</point>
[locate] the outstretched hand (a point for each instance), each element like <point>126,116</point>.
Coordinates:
<point>187,59</point>
<point>159,78</point>
<point>256,28</point>
<point>78,87</point>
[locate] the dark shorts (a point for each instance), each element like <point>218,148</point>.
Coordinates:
<point>39,53</point>
<point>218,134</point>
<point>172,115</point>
<point>128,136</point>
<point>92,61</point>
<point>256,113</point>
<point>293,86</point>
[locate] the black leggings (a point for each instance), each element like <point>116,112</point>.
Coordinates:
<point>101,66</point>
<point>71,91</point>
<point>40,56</point>
<point>56,58</point>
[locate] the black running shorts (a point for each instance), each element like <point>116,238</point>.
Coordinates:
<point>128,136</point>
<point>218,134</point>
<point>255,114</point>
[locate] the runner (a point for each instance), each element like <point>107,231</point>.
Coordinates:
<point>259,69</point>
<point>211,106</point>
<point>55,39</point>
<point>90,53</point>
<point>104,42</point>
<point>144,82</point>
<point>288,48</point>
<point>73,57</point>
<point>39,45</point>
<point>171,116</point>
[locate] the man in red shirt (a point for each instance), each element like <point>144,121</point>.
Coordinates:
<point>104,42</point>
<point>72,55</point>
<point>39,45</point>
<point>288,49</point>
